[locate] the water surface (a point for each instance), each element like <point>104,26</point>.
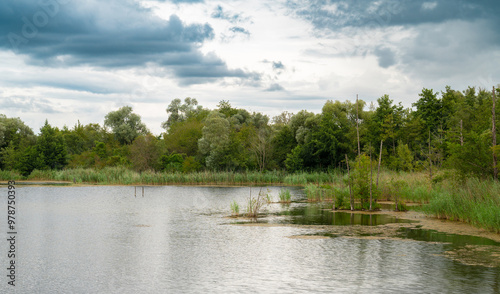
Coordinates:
<point>177,240</point>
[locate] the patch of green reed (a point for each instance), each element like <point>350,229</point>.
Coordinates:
<point>285,196</point>
<point>317,193</point>
<point>476,202</point>
<point>235,208</point>
<point>7,175</point>
<point>42,175</point>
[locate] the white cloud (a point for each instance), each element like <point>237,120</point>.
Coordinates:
<point>429,5</point>
<point>322,59</point>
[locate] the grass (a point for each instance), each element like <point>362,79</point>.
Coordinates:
<point>476,202</point>
<point>235,208</point>
<point>7,175</point>
<point>125,176</point>
<point>285,196</point>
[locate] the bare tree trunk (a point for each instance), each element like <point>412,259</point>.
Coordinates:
<point>379,160</point>
<point>461,134</point>
<point>430,160</point>
<point>371,176</point>
<point>349,183</point>
<point>494,131</point>
<point>357,125</point>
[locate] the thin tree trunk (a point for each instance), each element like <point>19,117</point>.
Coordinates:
<point>430,160</point>
<point>334,195</point>
<point>357,125</point>
<point>494,132</point>
<point>349,183</point>
<point>379,161</point>
<point>371,176</point>
<point>461,134</point>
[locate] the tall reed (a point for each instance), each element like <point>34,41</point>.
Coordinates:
<point>7,175</point>
<point>476,202</point>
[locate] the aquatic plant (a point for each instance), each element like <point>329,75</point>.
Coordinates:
<point>256,203</point>
<point>235,208</point>
<point>285,196</point>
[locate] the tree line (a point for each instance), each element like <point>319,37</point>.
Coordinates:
<point>450,129</point>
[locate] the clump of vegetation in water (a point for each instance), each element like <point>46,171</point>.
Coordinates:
<point>285,196</point>
<point>363,187</point>
<point>255,204</point>
<point>235,209</point>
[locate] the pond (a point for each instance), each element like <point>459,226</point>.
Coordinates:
<point>103,239</point>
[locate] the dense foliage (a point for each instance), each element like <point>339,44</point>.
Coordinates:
<point>451,129</point>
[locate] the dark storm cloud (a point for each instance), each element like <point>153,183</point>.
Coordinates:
<point>109,34</point>
<point>386,57</point>
<point>424,39</point>
<point>334,14</point>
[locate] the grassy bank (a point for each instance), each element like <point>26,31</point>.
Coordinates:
<point>125,176</point>
<point>476,202</point>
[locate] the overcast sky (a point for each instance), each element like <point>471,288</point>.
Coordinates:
<point>65,60</point>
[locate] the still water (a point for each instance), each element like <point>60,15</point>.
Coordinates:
<point>178,240</point>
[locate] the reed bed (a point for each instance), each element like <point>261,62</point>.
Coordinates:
<point>125,176</point>
<point>7,175</point>
<point>476,202</point>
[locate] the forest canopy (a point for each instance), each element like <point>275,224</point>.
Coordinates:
<point>451,129</point>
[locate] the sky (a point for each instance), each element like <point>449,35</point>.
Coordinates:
<point>76,60</point>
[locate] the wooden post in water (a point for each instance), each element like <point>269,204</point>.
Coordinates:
<point>494,132</point>
<point>142,191</point>
<point>135,191</point>
<point>349,183</point>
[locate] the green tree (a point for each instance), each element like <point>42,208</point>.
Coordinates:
<point>404,160</point>
<point>182,137</point>
<point>14,130</point>
<point>145,153</point>
<point>52,147</point>
<point>215,140</point>
<point>31,159</point>
<point>282,143</point>
<point>429,109</point>
<point>125,124</point>
<point>178,112</point>
<point>361,181</point>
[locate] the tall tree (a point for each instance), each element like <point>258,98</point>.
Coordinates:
<point>125,124</point>
<point>52,146</point>
<point>429,109</point>
<point>178,112</point>
<point>145,153</point>
<point>215,140</point>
